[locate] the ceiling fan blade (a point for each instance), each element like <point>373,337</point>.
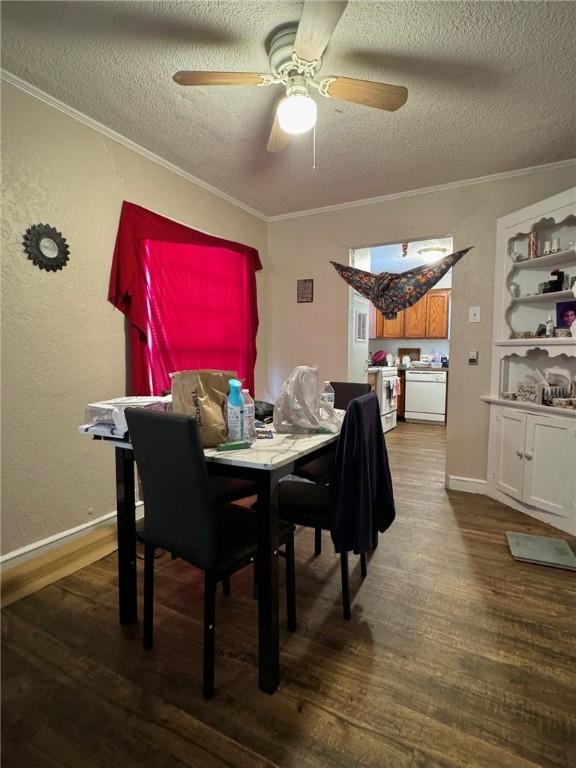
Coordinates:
<point>220,78</point>
<point>316,26</point>
<point>278,139</point>
<point>368,93</point>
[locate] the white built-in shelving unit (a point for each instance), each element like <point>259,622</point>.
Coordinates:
<point>532,447</point>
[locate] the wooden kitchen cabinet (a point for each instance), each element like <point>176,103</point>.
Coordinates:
<point>427,319</point>
<point>389,329</point>
<point>415,319</point>
<point>437,309</point>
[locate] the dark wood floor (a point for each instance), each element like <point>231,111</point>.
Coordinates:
<point>455,656</point>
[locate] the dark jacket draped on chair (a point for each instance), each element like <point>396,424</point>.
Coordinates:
<point>362,496</point>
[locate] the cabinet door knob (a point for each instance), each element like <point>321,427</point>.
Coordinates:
<point>519,454</point>
<point>529,456</point>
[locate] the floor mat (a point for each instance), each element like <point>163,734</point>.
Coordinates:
<point>541,550</point>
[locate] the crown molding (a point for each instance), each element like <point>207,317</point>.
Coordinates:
<point>425,190</point>
<point>32,90</point>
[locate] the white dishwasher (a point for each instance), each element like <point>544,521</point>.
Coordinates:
<point>425,396</point>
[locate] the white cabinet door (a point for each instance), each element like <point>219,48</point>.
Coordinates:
<point>510,452</point>
<point>550,464</point>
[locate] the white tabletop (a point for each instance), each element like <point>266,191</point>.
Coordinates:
<point>271,453</point>
<point>267,453</point>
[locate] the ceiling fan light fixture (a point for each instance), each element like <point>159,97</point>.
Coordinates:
<point>432,254</point>
<point>297,113</point>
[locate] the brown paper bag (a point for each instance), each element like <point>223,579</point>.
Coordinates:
<point>203,394</point>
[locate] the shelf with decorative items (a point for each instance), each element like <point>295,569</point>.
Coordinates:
<point>532,397</point>
<point>568,344</point>
<point>529,407</point>
<point>535,303</point>
<point>539,278</point>
<point>553,260</point>
<point>552,296</point>
<point>539,376</point>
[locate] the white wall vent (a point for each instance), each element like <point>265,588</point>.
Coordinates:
<point>361,326</point>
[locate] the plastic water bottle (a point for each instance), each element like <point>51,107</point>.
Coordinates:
<point>235,411</point>
<point>328,394</point>
<point>249,428</point>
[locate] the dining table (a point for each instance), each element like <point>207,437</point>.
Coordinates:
<point>265,462</point>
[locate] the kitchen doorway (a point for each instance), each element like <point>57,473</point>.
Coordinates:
<point>409,355</point>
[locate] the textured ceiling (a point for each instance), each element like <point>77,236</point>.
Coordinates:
<point>491,88</point>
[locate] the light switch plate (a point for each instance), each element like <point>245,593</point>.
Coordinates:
<point>473,314</point>
<point>473,357</point>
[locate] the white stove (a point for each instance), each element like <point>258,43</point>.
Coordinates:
<point>386,391</point>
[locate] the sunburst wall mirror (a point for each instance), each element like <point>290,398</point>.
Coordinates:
<point>46,247</point>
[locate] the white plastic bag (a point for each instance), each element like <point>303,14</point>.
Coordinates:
<point>299,407</point>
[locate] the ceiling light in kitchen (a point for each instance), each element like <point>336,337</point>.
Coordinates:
<point>432,254</point>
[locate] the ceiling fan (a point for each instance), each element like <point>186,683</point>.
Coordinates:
<point>295,56</point>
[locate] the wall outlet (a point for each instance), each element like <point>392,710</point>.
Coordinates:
<point>473,357</point>
<point>473,314</point>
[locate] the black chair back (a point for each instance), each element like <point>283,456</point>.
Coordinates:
<point>319,470</point>
<point>362,495</point>
<point>345,391</point>
<point>179,514</point>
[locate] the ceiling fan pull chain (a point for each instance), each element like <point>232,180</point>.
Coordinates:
<point>295,53</point>
<point>314,148</point>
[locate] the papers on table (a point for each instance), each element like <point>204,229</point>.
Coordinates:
<point>111,412</point>
<point>103,430</point>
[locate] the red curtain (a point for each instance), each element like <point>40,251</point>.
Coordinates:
<point>190,299</point>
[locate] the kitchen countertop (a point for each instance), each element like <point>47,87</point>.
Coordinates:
<point>376,368</point>
<point>418,368</point>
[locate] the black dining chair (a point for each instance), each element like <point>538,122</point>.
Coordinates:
<point>358,501</point>
<point>182,517</point>
<point>318,470</point>
<point>223,490</point>
<point>346,391</point>
<point>227,489</point>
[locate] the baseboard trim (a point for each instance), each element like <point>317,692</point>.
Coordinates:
<point>555,521</point>
<point>55,562</point>
<point>38,572</point>
<point>467,484</point>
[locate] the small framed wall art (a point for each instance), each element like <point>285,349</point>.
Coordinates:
<point>304,291</point>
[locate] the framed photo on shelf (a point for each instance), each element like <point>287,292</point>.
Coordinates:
<point>529,392</point>
<point>565,313</point>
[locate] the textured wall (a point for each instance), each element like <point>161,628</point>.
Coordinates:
<point>62,343</point>
<point>302,247</point>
